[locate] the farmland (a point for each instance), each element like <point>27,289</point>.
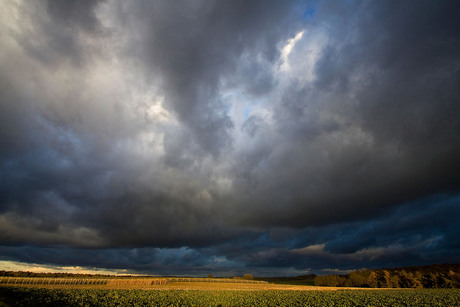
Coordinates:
<point>87,290</point>
<point>33,291</point>
<point>30,296</point>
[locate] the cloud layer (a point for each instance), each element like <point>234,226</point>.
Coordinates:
<point>196,136</point>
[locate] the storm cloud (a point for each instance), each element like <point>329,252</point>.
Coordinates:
<point>191,137</point>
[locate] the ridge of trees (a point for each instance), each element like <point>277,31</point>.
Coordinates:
<point>428,276</point>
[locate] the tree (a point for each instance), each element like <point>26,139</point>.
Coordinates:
<point>248,276</point>
<point>385,279</point>
<point>418,277</point>
<point>358,278</point>
<point>372,280</point>
<point>394,281</point>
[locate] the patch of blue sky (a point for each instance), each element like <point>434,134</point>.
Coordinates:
<point>309,13</point>
<point>308,9</point>
<point>252,107</point>
<point>247,110</point>
<point>238,104</point>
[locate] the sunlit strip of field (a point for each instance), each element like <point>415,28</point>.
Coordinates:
<point>164,283</point>
<point>154,284</point>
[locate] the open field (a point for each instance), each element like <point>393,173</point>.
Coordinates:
<point>166,283</point>
<point>189,286</point>
<point>169,291</point>
<point>30,296</point>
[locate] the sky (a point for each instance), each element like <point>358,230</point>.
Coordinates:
<point>229,137</point>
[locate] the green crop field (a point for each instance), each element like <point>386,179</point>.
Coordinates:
<point>18,296</point>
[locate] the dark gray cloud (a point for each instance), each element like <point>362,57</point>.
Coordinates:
<point>75,14</point>
<point>53,32</point>
<point>195,46</point>
<point>229,137</point>
<point>418,232</point>
<point>369,132</point>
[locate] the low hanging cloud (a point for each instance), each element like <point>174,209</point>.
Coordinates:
<point>229,136</point>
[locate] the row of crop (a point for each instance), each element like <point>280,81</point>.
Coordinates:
<point>81,281</point>
<point>137,281</point>
<point>51,281</point>
<point>215,280</point>
<point>117,281</point>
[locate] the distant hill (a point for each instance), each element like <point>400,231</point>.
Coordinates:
<point>426,276</point>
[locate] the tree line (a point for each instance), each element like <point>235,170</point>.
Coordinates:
<point>430,276</point>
